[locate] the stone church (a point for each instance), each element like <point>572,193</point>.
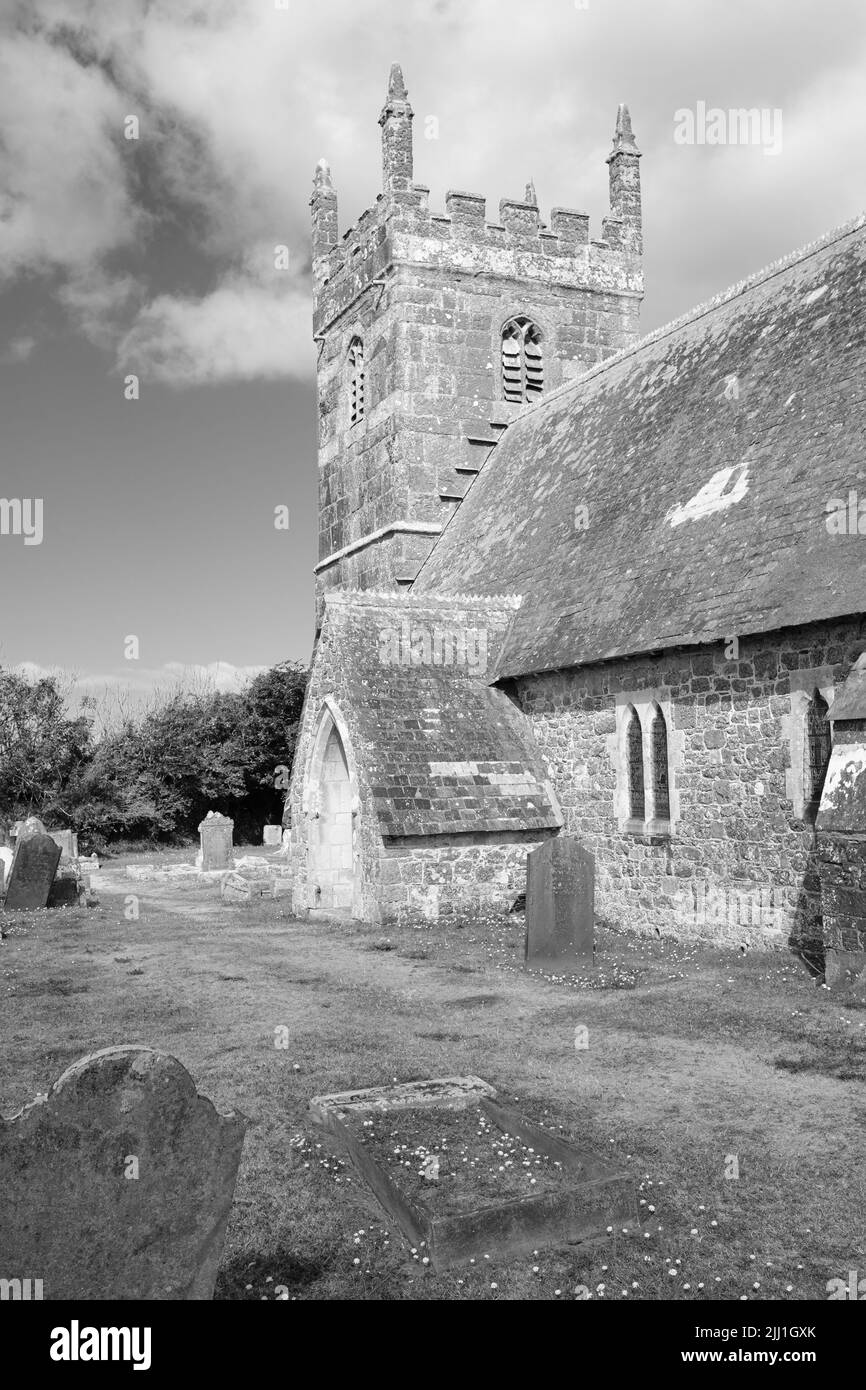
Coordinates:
<point>573,580</point>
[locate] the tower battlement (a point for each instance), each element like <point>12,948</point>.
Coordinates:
<point>425,302</point>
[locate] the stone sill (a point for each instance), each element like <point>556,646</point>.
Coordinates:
<point>648,832</point>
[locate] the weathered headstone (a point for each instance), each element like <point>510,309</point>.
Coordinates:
<point>31,826</point>
<point>7,854</point>
<point>33,870</point>
<point>65,892</point>
<point>236,889</point>
<point>67,840</point>
<point>119,1182</point>
<point>216,841</point>
<point>273,835</point>
<point>560,900</point>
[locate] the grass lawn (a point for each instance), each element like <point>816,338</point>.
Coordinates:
<point>698,1062</point>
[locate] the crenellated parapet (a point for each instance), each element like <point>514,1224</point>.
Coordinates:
<point>417,311</point>
<point>404,230</point>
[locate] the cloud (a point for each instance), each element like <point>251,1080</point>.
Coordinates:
<point>19,350</point>
<point>100,303</point>
<point>237,100</point>
<point>252,326</point>
<point>64,199</point>
<point>173,675</point>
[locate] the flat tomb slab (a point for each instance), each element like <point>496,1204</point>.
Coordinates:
<point>502,1184</point>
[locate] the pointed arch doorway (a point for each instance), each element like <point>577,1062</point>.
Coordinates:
<point>332,855</point>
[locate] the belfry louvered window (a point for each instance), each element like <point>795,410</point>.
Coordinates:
<point>356,381</point>
<point>522,363</point>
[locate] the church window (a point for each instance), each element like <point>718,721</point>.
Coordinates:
<point>817,750</point>
<point>522,364</point>
<point>634,757</point>
<point>659,751</point>
<point>356,381</point>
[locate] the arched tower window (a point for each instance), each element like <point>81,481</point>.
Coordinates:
<point>356,381</point>
<point>522,364</point>
<point>634,757</point>
<point>659,751</point>
<point>817,750</point>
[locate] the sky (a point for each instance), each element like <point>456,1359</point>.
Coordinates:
<point>154,152</point>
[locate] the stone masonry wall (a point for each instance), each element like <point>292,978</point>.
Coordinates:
<point>740,862</point>
<point>417,878</point>
<point>439,882</point>
<point>429,297</point>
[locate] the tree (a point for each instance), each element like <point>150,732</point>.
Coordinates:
<point>43,752</point>
<point>154,775</point>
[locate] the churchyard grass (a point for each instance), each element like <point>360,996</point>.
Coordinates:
<point>730,1086</point>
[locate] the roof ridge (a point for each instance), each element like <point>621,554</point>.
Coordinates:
<point>397,597</point>
<point>699,311</point>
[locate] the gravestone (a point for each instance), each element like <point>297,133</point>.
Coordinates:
<point>65,892</point>
<point>33,870</point>
<point>560,902</point>
<point>7,854</point>
<point>234,888</point>
<point>31,826</point>
<point>216,841</point>
<point>273,835</point>
<point>119,1182</point>
<point>67,840</point>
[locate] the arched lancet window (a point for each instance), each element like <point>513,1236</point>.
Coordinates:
<point>817,749</point>
<point>522,364</point>
<point>356,381</point>
<point>659,750</point>
<point>634,758</point>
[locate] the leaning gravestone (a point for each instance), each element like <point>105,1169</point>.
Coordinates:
<point>119,1182</point>
<point>216,841</point>
<point>272,835</point>
<point>560,899</point>
<point>33,870</point>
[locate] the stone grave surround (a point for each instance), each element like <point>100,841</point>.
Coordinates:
<point>594,1197</point>
<point>119,1182</point>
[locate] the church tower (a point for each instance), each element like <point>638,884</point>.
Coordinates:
<point>434,331</point>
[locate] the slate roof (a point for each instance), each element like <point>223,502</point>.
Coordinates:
<point>706,456</point>
<point>442,752</point>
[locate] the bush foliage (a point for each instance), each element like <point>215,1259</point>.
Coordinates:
<point>155,775</point>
